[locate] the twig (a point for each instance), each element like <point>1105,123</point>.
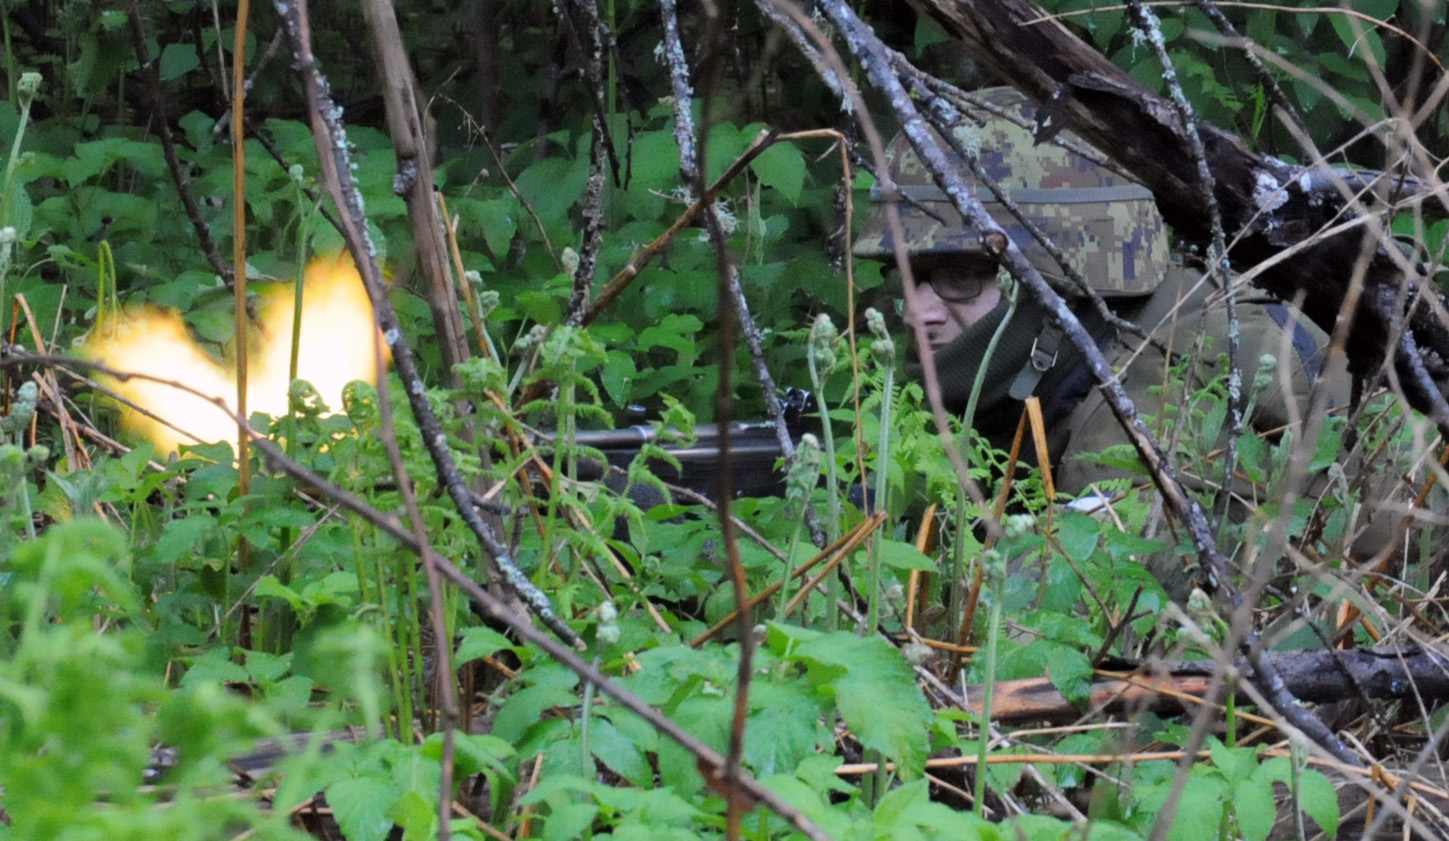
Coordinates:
<point>999,245</point>
<point>592,57</point>
<point>732,773</point>
<point>592,209</point>
<point>1148,25</point>
<point>481,132</point>
<point>404,122</point>
<point>625,276</point>
<point>601,152</point>
<point>258,66</point>
<point>496,609</point>
<point>836,551</point>
<point>151,77</point>
<point>1270,84</point>
<point>689,169</point>
<point>336,165</point>
<point>414,183</point>
<point>239,288</point>
<point>798,26</point>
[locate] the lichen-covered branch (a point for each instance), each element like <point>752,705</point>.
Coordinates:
<point>876,64</point>
<point>689,170</point>
<point>1267,205</point>
<point>336,160</point>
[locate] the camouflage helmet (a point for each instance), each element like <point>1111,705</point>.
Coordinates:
<point>1106,224</point>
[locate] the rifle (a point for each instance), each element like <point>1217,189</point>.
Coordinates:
<point>754,451</point>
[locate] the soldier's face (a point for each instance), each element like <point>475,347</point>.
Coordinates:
<point>951,295</point>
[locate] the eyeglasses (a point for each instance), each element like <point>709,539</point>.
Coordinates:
<point>958,284</point>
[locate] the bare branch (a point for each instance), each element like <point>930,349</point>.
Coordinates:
<point>337,176</point>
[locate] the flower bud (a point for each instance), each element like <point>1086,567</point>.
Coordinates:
<point>1264,377</point>
<point>882,349</point>
<point>37,456</point>
<point>822,344</point>
<point>804,472</point>
<point>607,632</point>
<point>1015,525</point>
<point>916,653</point>
<point>530,340</point>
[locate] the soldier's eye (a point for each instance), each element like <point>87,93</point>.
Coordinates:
<point>958,289</point>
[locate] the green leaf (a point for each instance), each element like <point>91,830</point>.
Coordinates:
<point>480,642</point>
<point>1377,9</point>
<point>656,160</point>
<point>1255,810</point>
<point>1327,447</point>
<point>1077,534</point>
<point>928,32</point>
<point>361,806</point>
<point>494,219</point>
<point>215,666</point>
<point>552,186</point>
<point>1199,806</point>
<point>782,168</point>
<point>905,556</point>
<point>1071,673</point>
<point>1347,68</point>
<point>1252,455</point>
<point>1319,800</point>
<point>725,144</point>
<point>1235,764</point>
<point>269,586</point>
<point>552,687</point>
<point>198,126</point>
<point>177,60</point>
<point>617,374</point>
<point>417,817</point>
<point>1120,544</point>
<point>475,752</point>
<point>179,536</point>
<point>619,753</point>
<point>861,672</point>
<point>898,804</point>
<point>783,727</point>
<point>1358,35</point>
<point>569,821</point>
<point>675,332</point>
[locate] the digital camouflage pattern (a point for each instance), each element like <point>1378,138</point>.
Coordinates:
<point>1106,224</point>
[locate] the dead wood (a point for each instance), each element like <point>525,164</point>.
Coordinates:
<point>1268,205</point>
<point>1314,676</point>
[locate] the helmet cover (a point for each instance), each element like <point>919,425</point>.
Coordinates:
<point>1106,225</point>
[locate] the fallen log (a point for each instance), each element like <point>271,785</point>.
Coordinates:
<point>1314,676</point>
<point>1267,205</point>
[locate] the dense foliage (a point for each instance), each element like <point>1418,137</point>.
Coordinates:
<point>142,650</point>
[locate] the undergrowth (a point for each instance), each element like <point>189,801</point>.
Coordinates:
<point>138,658</point>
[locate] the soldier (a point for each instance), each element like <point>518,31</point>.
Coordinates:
<point>1110,231</point>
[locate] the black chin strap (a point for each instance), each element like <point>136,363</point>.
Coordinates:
<point>1043,357</point>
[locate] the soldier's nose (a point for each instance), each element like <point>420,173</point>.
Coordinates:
<point>929,309</point>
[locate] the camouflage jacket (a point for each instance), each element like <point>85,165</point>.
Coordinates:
<point>1184,316</point>
<point>1183,403</point>
<point>1185,406</point>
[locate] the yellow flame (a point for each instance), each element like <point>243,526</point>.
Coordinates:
<point>336,348</point>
